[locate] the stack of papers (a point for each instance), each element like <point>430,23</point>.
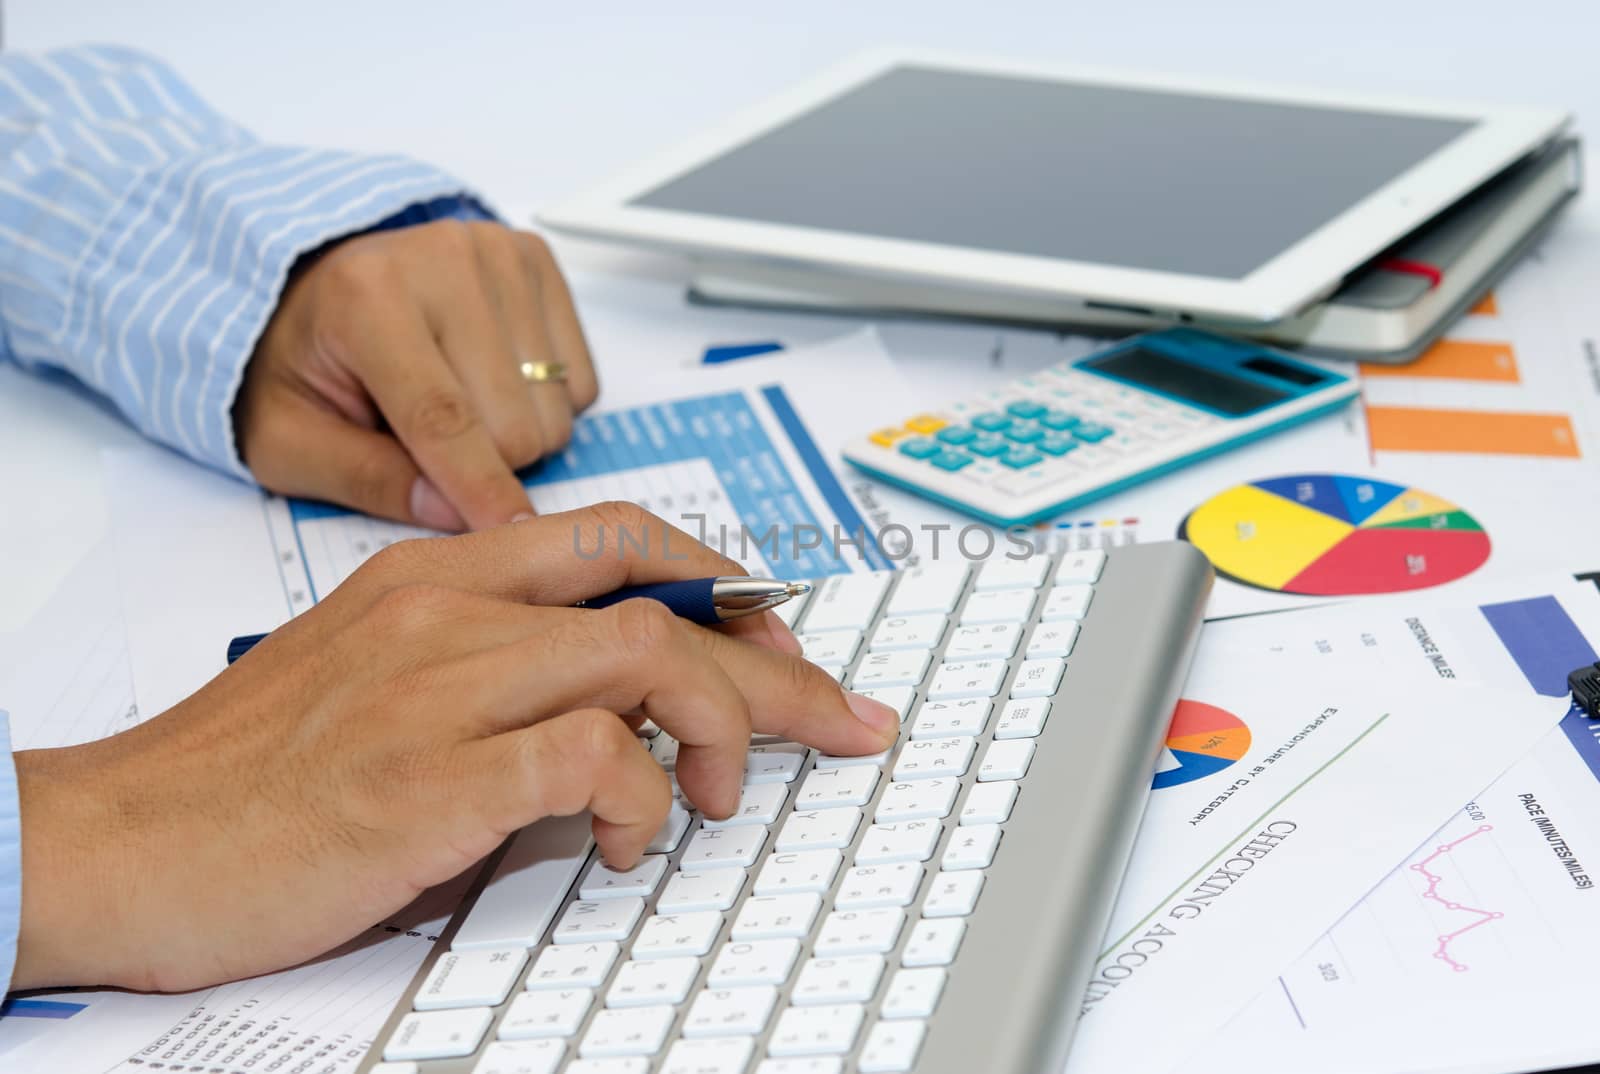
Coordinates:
<point>1375,821</point>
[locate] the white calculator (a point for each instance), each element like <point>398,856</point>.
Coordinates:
<point>1078,431</point>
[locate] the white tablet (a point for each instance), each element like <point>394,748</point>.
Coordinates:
<point>1214,199</point>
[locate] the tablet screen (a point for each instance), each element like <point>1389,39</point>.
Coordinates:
<point>1207,186</point>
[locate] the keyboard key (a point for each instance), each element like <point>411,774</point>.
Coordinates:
<point>546,1014</point>
<point>989,803</point>
<point>1023,434</point>
<point>608,919</point>
<point>1058,420</point>
<point>631,1064</point>
<point>912,993</point>
<point>776,762</point>
<point>1092,432</point>
<point>1084,567</point>
<point>837,787</point>
<point>919,448</point>
<point>868,886</point>
<point>1066,602</point>
<point>996,640</point>
<point>438,1034</point>
<point>728,1055</point>
<point>911,840</point>
<point>1052,639</point>
<point>846,601</point>
<point>927,424</point>
<point>908,632</point>
<point>731,1012</point>
<point>477,978</point>
<point>971,847</point>
<point>931,589</point>
<point>953,894</point>
<point>664,748</point>
<point>670,834</point>
<point>516,1057</point>
<point>898,698</point>
<point>572,966</point>
<point>853,979</point>
<point>662,980</point>
<point>669,935</point>
<point>902,668</point>
<point>701,889</point>
<point>989,446</point>
<point>924,799</point>
<point>815,1064</point>
<point>776,917</point>
<point>991,423</point>
<point>406,1067</point>
<point>528,885</point>
<point>967,678</point>
<point>819,829</point>
<point>753,963</point>
<point>830,648</point>
<point>859,932</point>
<point>1006,760</point>
<point>826,1030</point>
<point>998,606</point>
<point>826,761</point>
<point>1022,717</point>
<point>806,870</point>
<point>1057,446</point>
<point>934,943</point>
<point>759,804</point>
<point>627,1031</point>
<point>724,846</point>
<point>1027,409</point>
<point>956,434</point>
<point>891,1047</point>
<point>790,610</point>
<point>934,758</point>
<point>1038,678</point>
<point>952,460</point>
<point>604,882</point>
<point>1021,458</point>
<point>949,719</point>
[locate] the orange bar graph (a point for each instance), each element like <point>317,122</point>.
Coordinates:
<point>1486,307</point>
<point>1456,359</point>
<point>1471,432</point>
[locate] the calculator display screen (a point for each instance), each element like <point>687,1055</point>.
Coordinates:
<point>1190,383</point>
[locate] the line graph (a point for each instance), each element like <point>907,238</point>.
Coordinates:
<point>1431,892</point>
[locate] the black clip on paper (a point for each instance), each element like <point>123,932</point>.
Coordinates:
<point>1585,683</point>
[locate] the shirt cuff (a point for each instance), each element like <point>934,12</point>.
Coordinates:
<point>10,857</point>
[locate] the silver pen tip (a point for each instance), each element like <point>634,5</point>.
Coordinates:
<point>797,589</point>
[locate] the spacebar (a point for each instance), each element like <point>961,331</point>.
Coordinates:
<point>527,887</point>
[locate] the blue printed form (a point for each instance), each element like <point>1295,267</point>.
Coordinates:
<point>737,470</point>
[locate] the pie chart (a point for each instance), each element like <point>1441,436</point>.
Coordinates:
<point>1203,739</point>
<point>1335,535</point>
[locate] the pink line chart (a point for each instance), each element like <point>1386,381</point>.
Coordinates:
<point>1442,952</point>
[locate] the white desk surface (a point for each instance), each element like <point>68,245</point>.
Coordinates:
<point>531,101</point>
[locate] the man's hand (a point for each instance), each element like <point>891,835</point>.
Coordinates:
<point>389,378</point>
<point>443,697</point>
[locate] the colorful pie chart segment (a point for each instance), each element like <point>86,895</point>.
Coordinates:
<point>1203,739</point>
<point>1336,535</point>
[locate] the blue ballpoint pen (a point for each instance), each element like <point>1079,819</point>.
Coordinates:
<point>707,601</point>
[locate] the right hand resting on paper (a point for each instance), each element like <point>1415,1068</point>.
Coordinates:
<point>388,739</point>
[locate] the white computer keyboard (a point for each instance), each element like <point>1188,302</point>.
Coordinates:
<point>815,929</point>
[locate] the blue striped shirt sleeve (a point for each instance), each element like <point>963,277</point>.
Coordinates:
<point>144,239</point>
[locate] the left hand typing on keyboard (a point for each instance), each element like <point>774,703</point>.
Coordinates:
<point>389,738</point>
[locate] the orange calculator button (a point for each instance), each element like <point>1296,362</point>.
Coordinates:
<point>887,436</point>
<point>926,424</point>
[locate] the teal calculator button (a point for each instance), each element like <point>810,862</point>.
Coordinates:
<point>1026,409</point>
<point>1024,434</point>
<point>991,423</point>
<point>1060,419</point>
<point>1021,458</point>
<point>1057,445</point>
<point>951,460</point>
<point>988,446</point>
<point>1089,431</point>
<point>956,434</point>
<point>920,448</point>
